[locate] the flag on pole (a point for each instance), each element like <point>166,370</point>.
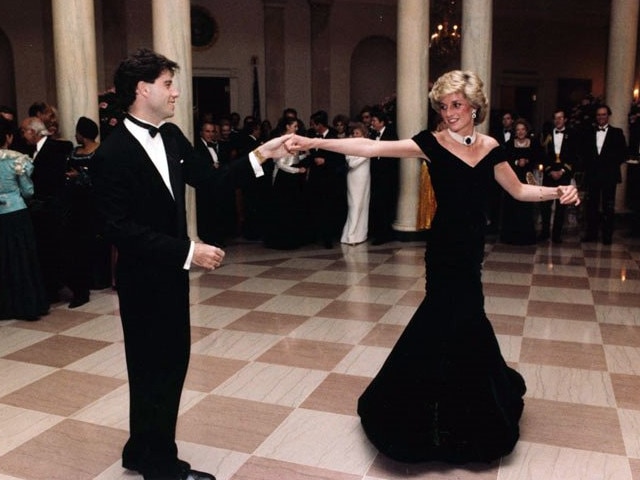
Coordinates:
<point>256,89</point>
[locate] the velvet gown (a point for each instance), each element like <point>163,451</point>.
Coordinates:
<point>445,392</point>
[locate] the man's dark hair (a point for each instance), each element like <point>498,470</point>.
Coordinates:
<point>320,118</point>
<point>36,108</point>
<point>87,128</point>
<point>380,115</point>
<point>142,66</point>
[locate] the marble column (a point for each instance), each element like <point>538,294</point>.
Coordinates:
<point>623,38</point>
<point>172,38</point>
<point>477,32</point>
<point>320,54</point>
<point>274,57</point>
<point>74,41</point>
<point>412,101</point>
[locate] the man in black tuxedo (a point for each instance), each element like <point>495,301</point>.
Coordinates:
<point>561,156</point>
<point>48,207</point>
<point>327,184</point>
<point>139,184</point>
<point>605,150</point>
<point>385,178</point>
<point>212,208</point>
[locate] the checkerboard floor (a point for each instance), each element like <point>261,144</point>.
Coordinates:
<point>284,343</point>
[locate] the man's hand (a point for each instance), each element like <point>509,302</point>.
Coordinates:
<point>274,148</point>
<point>207,256</point>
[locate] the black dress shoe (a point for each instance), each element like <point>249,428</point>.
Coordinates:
<point>196,475</point>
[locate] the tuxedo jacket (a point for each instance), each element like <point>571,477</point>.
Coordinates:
<point>604,168</point>
<point>385,165</point>
<point>49,169</point>
<point>136,211</point>
<point>335,164</point>
<point>568,159</point>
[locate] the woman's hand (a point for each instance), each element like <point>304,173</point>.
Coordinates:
<point>568,194</point>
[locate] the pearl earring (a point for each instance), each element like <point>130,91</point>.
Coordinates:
<point>473,115</point>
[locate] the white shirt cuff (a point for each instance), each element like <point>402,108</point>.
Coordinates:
<point>187,264</point>
<point>255,164</point>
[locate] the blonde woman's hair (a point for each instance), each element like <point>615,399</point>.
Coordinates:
<point>467,83</point>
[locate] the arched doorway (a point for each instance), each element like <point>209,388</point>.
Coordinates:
<point>373,73</point>
<point>7,73</point>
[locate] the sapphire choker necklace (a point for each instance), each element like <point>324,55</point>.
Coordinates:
<point>467,140</point>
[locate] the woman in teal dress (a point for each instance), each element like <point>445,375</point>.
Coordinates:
<point>445,392</point>
<point>22,294</point>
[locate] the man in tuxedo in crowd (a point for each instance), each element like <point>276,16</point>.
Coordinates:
<point>605,150</point>
<point>48,206</point>
<point>139,179</point>
<point>327,184</point>
<point>254,194</point>
<point>502,134</point>
<point>212,228</point>
<point>561,157</point>
<point>385,178</point>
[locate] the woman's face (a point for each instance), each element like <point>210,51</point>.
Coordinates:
<point>521,131</point>
<point>456,112</point>
<point>357,133</point>
<point>292,127</point>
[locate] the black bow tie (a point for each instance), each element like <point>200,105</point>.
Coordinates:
<point>212,145</point>
<point>153,131</point>
<point>559,131</point>
<point>602,129</point>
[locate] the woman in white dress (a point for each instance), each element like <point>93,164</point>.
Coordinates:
<point>358,192</point>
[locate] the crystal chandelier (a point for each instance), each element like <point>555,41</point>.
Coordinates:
<point>444,43</point>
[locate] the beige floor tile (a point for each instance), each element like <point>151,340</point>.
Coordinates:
<point>70,449</point>
<point>322,440</point>
<point>257,468</point>
<point>504,290</point>
<point>363,361</point>
<point>235,344</point>
<point>618,299</point>
<point>337,394</point>
<point>560,281</point>
<point>563,354</point>
<point>313,289</point>
<point>267,322</point>
<point>532,461</point>
<point>282,273</point>
<point>507,324</point>
<point>620,335</point>
<point>15,375</point>
<point>295,305</point>
<point>572,385</point>
<point>207,372</point>
<point>19,425</point>
<point>306,353</point>
<point>230,298</point>
<point>611,314</point>
<point>214,316</point>
<point>507,266</point>
<point>572,425</point>
<point>230,423</point>
<point>627,390</point>
<point>274,286</point>
<point>623,359</point>
<point>387,281</point>
<point>58,394</point>
<point>58,321</point>
<point>383,335</point>
<point>58,351</point>
<point>351,310</point>
<point>332,330</point>
<point>15,338</point>
<point>563,330</point>
<point>614,273</point>
<point>412,298</point>
<point>218,280</point>
<point>273,384</point>
<point>568,311</point>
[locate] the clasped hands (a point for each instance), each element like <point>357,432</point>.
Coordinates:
<point>568,194</point>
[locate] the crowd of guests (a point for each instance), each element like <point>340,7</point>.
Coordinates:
<point>587,154</point>
<point>49,249</point>
<point>306,197</point>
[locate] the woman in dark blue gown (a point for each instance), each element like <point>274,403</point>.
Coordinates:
<point>445,392</point>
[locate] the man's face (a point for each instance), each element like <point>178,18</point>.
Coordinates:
<point>559,120</point>
<point>28,133</point>
<point>377,124</point>
<point>209,132</point>
<point>602,117</point>
<point>366,118</point>
<point>507,121</point>
<point>225,131</point>
<point>160,96</point>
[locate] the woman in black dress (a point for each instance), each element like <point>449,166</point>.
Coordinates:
<point>524,154</point>
<point>445,392</point>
